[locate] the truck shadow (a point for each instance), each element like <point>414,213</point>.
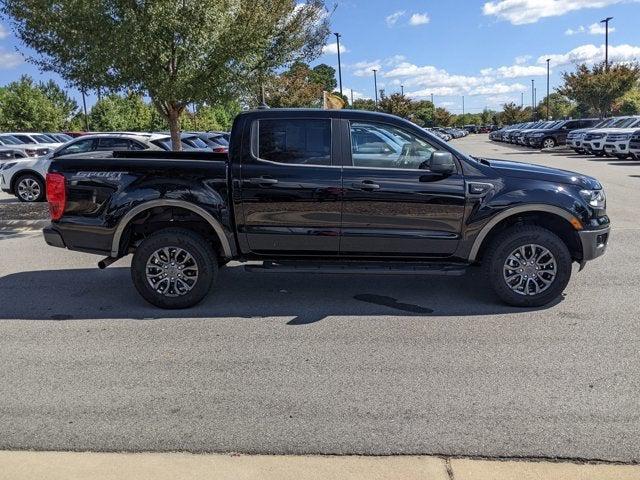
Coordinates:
<point>302,299</point>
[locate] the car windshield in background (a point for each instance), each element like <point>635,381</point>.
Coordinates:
<point>195,142</point>
<point>42,139</point>
<point>624,122</point>
<point>10,140</point>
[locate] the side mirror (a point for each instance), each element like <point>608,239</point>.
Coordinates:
<point>442,162</point>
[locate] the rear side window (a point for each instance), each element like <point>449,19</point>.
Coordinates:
<point>113,144</point>
<point>81,146</point>
<point>300,142</point>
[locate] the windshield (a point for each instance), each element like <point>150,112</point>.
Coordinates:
<point>196,142</point>
<point>623,122</point>
<point>10,140</point>
<point>41,138</point>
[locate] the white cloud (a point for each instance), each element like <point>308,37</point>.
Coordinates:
<point>4,33</point>
<point>515,71</point>
<point>522,59</point>
<point>572,31</point>
<point>356,94</point>
<point>599,29</point>
<point>332,49</point>
<point>593,29</point>
<point>10,59</point>
<point>392,19</point>
<point>591,54</point>
<point>498,89</point>
<point>520,12</point>
<point>419,19</point>
<point>365,69</point>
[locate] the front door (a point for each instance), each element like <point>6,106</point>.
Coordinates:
<point>393,204</point>
<point>291,188</point>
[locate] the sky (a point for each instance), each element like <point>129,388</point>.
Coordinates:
<point>486,52</point>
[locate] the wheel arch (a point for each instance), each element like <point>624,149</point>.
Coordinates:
<point>556,219</point>
<point>22,173</point>
<point>126,220</point>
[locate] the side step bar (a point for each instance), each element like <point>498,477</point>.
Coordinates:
<point>450,269</point>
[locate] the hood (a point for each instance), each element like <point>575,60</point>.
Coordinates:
<point>539,172</point>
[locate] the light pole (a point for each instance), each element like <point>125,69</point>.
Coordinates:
<point>462,104</point>
<point>84,107</point>
<point>402,90</point>
<point>521,99</point>
<point>375,85</point>
<point>533,98</point>
<point>548,60</point>
<point>339,64</point>
<point>352,97</point>
<point>606,41</point>
<point>434,105</point>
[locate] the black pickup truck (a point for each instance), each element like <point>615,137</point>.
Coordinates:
<point>338,191</point>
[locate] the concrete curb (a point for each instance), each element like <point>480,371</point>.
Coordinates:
<point>24,465</point>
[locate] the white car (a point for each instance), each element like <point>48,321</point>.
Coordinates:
<point>594,139</point>
<point>28,149</point>
<point>617,144</point>
<point>24,178</point>
<point>36,138</point>
<point>634,145</point>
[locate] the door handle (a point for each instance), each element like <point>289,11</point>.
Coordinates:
<point>263,181</point>
<point>366,185</point>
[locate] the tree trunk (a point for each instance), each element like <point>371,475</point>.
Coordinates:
<point>173,116</point>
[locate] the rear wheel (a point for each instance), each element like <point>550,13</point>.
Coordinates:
<point>622,156</point>
<point>528,266</point>
<point>29,188</point>
<point>548,142</point>
<point>174,268</point>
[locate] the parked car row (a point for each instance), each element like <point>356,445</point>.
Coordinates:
<point>25,157</point>
<point>615,136</point>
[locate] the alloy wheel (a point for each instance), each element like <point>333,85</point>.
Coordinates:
<point>29,189</point>
<point>172,271</point>
<point>530,269</point>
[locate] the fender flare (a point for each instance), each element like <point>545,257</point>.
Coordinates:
<point>131,214</point>
<point>533,207</point>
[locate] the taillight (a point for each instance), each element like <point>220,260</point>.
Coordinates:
<point>56,195</point>
<point>221,149</point>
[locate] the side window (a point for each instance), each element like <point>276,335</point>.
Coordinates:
<point>81,146</point>
<point>111,143</point>
<point>24,139</point>
<point>299,142</point>
<point>377,145</point>
<point>133,145</point>
<point>572,125</point>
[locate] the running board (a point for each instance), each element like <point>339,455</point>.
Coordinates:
<point>449,269</point>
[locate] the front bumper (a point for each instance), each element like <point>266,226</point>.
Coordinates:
<point>594,243</point>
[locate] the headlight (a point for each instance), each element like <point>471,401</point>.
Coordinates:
<point>595,198</point>
<point>4,166</point>
<point>537,134</point>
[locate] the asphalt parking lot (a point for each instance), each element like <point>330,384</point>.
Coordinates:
<point>326,364</point>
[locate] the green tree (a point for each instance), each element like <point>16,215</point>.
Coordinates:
<point>175,52</point>
<point>559,107</point>
<point>25,106</point>
<point>443,117</point>
<point>206,117</point>
<point>364,104</point>
<point>598,88</point>
<point>423,113</point>
<point>512,113</point>
<point>120,113</point>
<point>66,105</point>
<point>295,88</point>
<point>324,75</point>
<point>629,104</point>
<point>396,104</point>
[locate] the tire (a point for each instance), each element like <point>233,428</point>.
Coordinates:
<point>622,156</point>
<point>497,261</point>
<point>548,142</point>
<point>600,153</point>
<point>181,290</point>
<point>29,188</point>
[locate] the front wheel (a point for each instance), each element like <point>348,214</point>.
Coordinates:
<point>174,268</point>
<point>30,188</point>
<point>548,143</point>
<point>528,266</point>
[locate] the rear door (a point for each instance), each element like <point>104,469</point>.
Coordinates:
<point>393,204</point>
<point>291,188</point>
